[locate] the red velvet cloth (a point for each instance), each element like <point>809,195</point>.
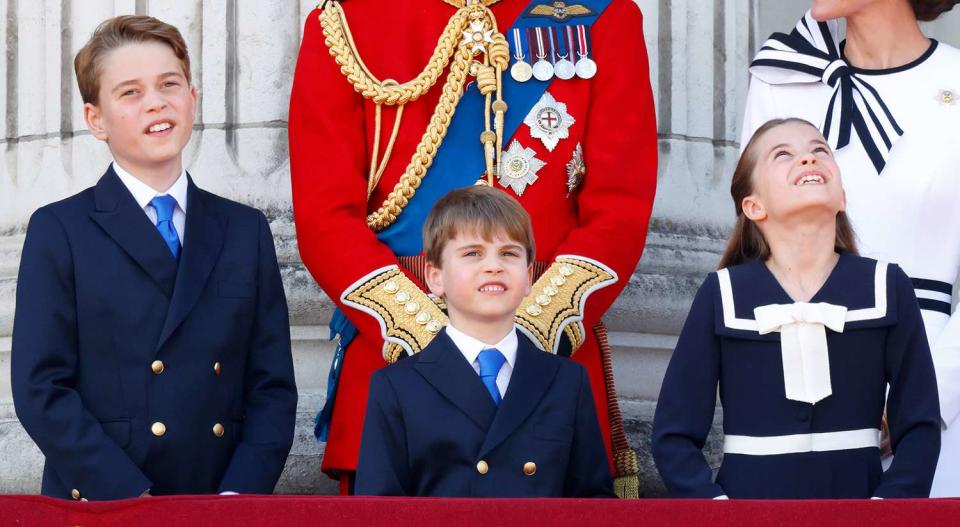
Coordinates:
<point>261,511</point>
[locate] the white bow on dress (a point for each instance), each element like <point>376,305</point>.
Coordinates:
<point>803,345</point>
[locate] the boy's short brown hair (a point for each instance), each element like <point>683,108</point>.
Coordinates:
<point>116,32</point>
<point>480,209</point>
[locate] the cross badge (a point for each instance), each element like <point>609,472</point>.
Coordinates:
<point>519,167</point>
<point>549,121</point>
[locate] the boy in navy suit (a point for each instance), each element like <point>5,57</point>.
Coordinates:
<point>484,412</point>
<point>151,346</point>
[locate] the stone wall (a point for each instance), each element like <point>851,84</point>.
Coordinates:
<point>243,58</point>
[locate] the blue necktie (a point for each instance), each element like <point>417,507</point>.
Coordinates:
<point>491,360</point>
<point>164,206</point>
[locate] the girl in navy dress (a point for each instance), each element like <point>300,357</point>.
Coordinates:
<point>804,339</point>
<point>888,97</point>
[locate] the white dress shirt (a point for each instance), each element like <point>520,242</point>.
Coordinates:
<point>471,348</point>
<point>143,193</point>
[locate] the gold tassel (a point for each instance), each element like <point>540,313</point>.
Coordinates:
<point>627,483</point>
<point>627,487</point>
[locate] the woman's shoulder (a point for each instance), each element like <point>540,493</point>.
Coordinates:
<point>947,51</point>
<point>945,61</point>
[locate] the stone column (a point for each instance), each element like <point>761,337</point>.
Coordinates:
<point>243,55</point>
<point>699,53</point>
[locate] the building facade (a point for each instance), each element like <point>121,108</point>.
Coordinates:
<point>243,55</point>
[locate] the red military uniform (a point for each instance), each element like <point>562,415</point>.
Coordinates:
<point>600,220</point>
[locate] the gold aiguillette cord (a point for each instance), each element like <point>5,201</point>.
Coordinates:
<point>471,31</point>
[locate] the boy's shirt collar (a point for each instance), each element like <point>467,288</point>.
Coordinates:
<point>471,347</point>
<point>143,193</point>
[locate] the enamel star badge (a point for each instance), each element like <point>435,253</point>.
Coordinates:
<point>519,167</point>
<point>478,36</point>
<point>576,169</point>
<point>549,121</point>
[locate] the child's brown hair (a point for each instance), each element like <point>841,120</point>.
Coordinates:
<point>746,241</point>
<point>480,209</point>
<point>117,32</point>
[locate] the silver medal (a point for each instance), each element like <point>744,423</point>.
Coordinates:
<point>586,68</point>
<point>542,70</point>
<point>519,167</point>
<point>564,69</point>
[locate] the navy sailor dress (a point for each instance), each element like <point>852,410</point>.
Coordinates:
<point>802,386</point>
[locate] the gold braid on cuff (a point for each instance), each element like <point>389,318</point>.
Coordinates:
<point>409,319</point>
<point>555,307</point>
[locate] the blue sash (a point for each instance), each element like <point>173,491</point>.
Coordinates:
<point>459,163</point>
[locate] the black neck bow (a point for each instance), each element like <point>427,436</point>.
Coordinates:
<point>811,53</point>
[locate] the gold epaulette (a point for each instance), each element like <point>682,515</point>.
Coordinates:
<point>409,319</point>
<point>555,307</point>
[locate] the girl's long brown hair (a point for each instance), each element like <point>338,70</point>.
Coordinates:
<point>746,242</point>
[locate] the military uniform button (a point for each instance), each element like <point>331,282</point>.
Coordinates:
<point>482,467</point>
<point>218,430</point>
<point>529,468</point>
<point>158,429</point>
<point>391,286</point>
<point>216,368</point>
<point>157,367</point>
<point>75,494</point>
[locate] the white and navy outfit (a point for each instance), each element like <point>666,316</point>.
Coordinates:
<point>897,138</point>
<point>740,333</point>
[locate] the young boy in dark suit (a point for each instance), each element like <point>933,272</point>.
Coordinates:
<point>151,346</point>
<point>484,412</point>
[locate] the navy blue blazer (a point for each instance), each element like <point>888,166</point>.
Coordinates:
<point>133,373</point>
<point>883,344</point>
<point>432,429</point>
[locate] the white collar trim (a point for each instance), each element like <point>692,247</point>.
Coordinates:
<point>879,309</point>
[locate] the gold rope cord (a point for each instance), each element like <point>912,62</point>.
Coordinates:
<point>456,44</point>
